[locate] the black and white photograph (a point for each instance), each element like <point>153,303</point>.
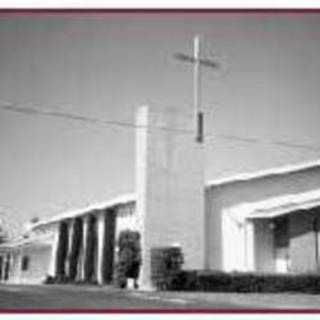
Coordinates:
<point>164,160</point>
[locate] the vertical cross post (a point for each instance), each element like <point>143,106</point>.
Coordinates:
<point>197,87</point>
<point>197,61</point>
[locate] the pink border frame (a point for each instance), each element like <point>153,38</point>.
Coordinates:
<point>75,12</point>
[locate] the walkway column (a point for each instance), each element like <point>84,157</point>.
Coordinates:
<point>249,245</point>
<point>70,242</point>
<point>52,271</point>
<point>85,226</point>
<point>101,243</point>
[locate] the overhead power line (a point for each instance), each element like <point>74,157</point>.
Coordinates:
<point>209,137</point>
<point>82,118</point>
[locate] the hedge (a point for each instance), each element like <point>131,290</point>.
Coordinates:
<point>165,263</point>
<point>241,282</point>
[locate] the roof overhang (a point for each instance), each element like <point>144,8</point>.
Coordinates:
<point>276,171</point>
<point>277,206</point>
<point>42,240</point>
<point>109,204</point>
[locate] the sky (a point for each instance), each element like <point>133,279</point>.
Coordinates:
<point>106,65</point>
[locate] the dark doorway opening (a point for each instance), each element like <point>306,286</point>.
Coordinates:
<point>281,243</point>
<point>90,264</point>
<point>109,243</point>
<point>76,244</point>
<point>62,249</point>
<point>7,267</point>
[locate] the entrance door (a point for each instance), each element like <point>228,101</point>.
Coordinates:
<point>264,247</point>
<point>281,244</point>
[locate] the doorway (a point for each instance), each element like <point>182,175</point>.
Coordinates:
<point>281,244</point>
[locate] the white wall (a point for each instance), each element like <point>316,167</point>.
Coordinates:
<point>39,257</point>
<point>126,218</point>
<point>233,253</point>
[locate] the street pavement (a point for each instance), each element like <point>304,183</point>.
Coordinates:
<point>106,298</point>
<point>84,297</point>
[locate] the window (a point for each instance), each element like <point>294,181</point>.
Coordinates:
<point>25,263</point>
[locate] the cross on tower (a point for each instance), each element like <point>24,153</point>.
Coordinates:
<point>197,62</point>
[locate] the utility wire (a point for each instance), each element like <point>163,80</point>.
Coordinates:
<point>72,116</point>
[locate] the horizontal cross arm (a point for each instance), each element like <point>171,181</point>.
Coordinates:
<point>184,57</point>
<point>209,63</point>
<point>204,62</point>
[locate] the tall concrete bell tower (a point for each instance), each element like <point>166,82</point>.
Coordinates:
<point>169,186</point>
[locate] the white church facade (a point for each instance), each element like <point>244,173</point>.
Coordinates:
<point>264,222</point>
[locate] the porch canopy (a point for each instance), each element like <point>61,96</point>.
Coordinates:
<point>277,206</point>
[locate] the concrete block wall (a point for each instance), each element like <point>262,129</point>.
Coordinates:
<point>170,187</point>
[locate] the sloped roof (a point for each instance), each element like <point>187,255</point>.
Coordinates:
<point>34,240</point>
<point>292,168</point>
<point>276,206</point>
<point>285,204</point>
<point>111,203</point>
<point>127,198</point>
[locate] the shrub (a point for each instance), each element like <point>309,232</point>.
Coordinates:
<point>129,257</point>
<point>242,282</point>
<point>166,262</point>
<point>49,280</point>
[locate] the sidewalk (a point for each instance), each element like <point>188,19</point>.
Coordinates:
<point>242,300</point>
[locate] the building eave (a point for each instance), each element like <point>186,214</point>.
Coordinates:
<point>109,204</point>
<point>242,177</point>
<point>35,240</point>
<point>277,206</point>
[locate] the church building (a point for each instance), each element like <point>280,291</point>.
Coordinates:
<point>264,222</point>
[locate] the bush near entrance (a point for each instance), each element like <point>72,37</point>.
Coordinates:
<point>129,258</point>
<point>212,281</point>
<point>166,262</point>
